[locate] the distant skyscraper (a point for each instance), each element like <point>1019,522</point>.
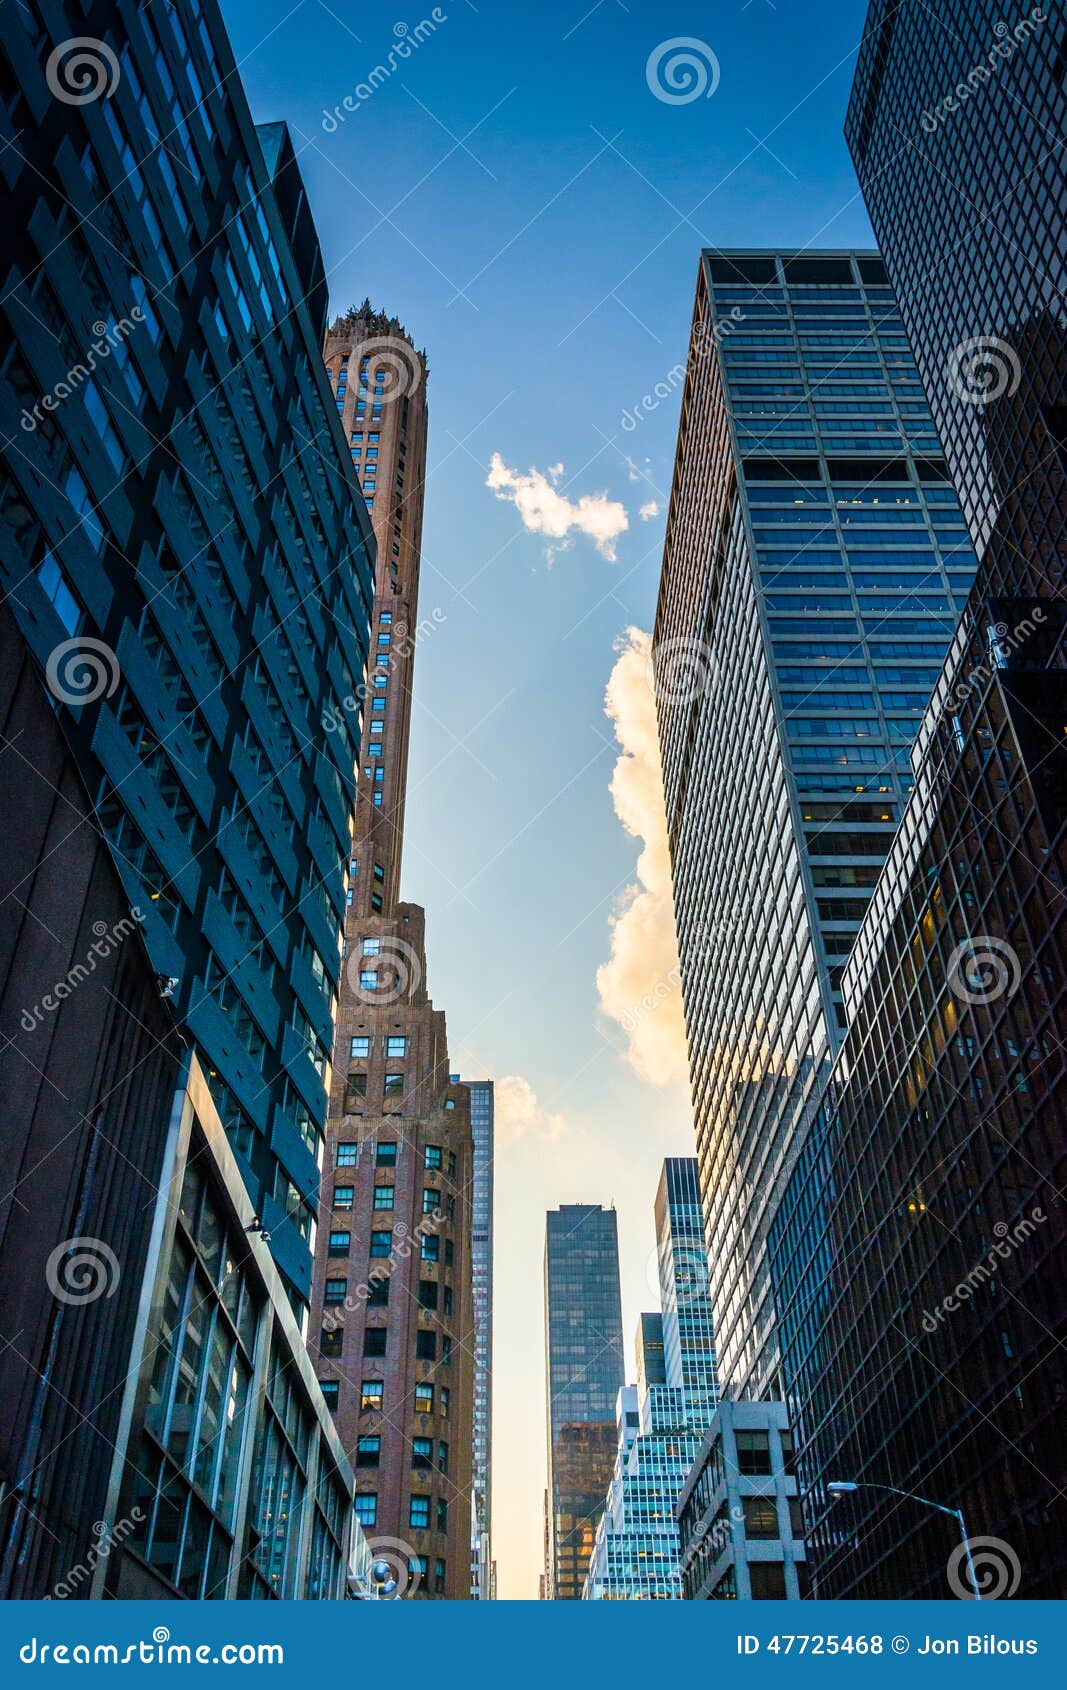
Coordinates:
<point>393,1325</point>
<point>918,1254</point>
<point>637,1554</point>
<point>814,564</point>
<point>584,1373</point>
<point>481,1092</point>
<point>185,547</point>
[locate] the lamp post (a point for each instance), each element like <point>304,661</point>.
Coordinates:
<point>845,1487</point>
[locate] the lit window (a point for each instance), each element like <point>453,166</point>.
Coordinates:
<point>371,1395</point>
<point>360,1046</point>
<point>342,1196</point>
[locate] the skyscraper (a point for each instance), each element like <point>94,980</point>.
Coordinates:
<point>937,1158</point>
<point>815,561</point>
<point>583,1373</point>
<point>637,1553</point>
<point>185,545</point>
<point>393,1327</point>
<point>481,1094</point>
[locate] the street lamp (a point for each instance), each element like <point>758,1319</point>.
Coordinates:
<point>845,1487</point>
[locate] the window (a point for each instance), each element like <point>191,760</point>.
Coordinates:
<point>355,1086</point>
<point>442,1514</point>
<point>342,1196</point>
<point>446,1397</point>
<point>419,1512</point>
<point>377,1293</point>
<point>367,1508</point>
<point>430,1199</point>
<point>442,1457</point>
<point>761,1516</point>
<point>330,1341</point>
<point>372,947</point>
<point>422,1454</point>
<point>374,1341</point>
<point>427,1293</point>
<point>340,1243</point>
<point>53,583</point>
<point>394,1083</point>
<point>426,1346</point>
<point>767,1579</point>
<point>346,1155</point>
<point>360,1046</point>
<point>331,1390</point>
<point>371,1396</point>
<point>432,1157</point>
<point>448,1299</point>
<point>450,1253</point>
<point>430,1248</point>
<point>368,1452</point>
<point>383,1196</point>
<point>336,1291</point>
<point>379,872</point>
<point>446,1349</point>
<point>396,1047</point>
<point>423,1399</point>
<point>386,1155</point>
<point>368,980</point>
<point>439,1577</point>
<point>753,1453</point>
<point>381,1243</point>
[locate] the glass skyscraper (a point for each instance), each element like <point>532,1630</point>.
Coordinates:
<point>185,545</point>
<point>815,564</point>
<point>660,1424</point>
<point>918,1255</point>
<point>584,1373</point>
<point>482,1274</point>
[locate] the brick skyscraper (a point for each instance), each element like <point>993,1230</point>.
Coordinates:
<point>393,1323</point>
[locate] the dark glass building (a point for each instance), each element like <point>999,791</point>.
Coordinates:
<point>584,1373</point>
<point>814,568</point>
<point>184,542</point>
<point>918,1254</point>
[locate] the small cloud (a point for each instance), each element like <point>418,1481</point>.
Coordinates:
<point>544,510</point>
<point>648,511</point>
<point>518,1114</point>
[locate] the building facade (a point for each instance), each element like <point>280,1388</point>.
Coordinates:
<point>661,1422</point>
<point>481,1096</point>
<point>185,544</point>
<point>583,1374</point>
<point>814,567</point>
<point>739,1513</point>
<point>919,1252</point>
<point>393,1322</point>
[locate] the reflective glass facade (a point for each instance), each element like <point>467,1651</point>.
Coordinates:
<point>918,1254</point>
<point>584,1373</point>
<point>180,515</point>
<point>814,568</point>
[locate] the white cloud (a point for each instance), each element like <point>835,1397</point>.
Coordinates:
<point>649,510</point>
<point>518,1114</point>
<point>544,510</point>
<point>639,984</point>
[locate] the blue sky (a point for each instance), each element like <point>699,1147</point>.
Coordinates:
<point>519,197</point>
